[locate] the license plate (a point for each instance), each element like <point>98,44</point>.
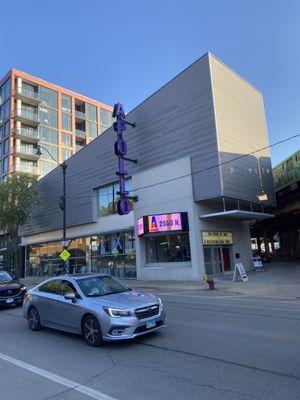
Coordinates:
<point>9,301</point>
<point>150,324</point>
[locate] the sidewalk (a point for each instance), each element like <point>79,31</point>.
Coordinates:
<point>280,279</point>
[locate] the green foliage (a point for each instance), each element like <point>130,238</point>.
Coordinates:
<point>18,195</point>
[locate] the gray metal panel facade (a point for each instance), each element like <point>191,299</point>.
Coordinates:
<point>176,121</point>
<point>241,130</point>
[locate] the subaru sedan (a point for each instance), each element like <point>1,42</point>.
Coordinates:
<point>98,307</point>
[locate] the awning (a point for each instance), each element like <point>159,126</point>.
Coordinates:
<point>237,215</point>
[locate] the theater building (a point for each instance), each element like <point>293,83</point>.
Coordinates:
<point>197,182</point>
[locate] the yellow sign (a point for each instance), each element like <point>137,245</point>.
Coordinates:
<point>216,238</point>
<point>65,255</point>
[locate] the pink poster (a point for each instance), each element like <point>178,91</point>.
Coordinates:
<point>164,222</point>
<point>140,226</point>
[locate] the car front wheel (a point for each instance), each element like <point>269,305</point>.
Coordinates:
<point>34,319</point>
<point>91,331</point>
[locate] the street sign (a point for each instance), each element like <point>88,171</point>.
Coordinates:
<point>258,265</point>
<point>239,268</point>
<point>65,255</point>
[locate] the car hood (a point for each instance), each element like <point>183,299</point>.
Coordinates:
<point>9,285</point>
<point>132,299</point>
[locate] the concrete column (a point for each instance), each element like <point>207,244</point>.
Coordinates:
<point>19,85</point>
<point>18,106</point>
<point>266,242</point>
<point>272,244</point>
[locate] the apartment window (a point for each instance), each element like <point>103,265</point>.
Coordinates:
<point>91,129</point>
<point>106,117</point>
<point>107,195</point>
<point>48,117</point>
<point>5,92</point>
<point>29,89</point>
<point>66,103</point>
<point>168,248</point>
<point>66,139</point>
<point>53,150</point>
<point>4,111</point>
<point>65,154</point>
<point>6,129</point>
<point>91,112</point>
<point>48,135</point>
<point>66,122</point>
<point>46,167</point>
<point>48,97</point>
<point>0,151</point>
<point>5,165</point>
<point>1,131</point>
<point>6,147</point>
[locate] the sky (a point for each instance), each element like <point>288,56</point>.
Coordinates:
<point>126,50</point>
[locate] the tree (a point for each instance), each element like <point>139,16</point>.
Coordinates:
<point>18,196</point>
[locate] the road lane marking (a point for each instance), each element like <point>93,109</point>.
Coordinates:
<point>94,394</point>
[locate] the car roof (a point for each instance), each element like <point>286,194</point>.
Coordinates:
<point>80,276</point>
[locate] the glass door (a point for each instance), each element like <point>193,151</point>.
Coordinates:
<point>217,259</point>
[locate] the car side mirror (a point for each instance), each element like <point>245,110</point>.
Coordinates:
<point>70,296</point>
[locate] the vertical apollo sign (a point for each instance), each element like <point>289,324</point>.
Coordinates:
<point>120,147</point>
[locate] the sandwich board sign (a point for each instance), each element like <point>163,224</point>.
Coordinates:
<point>239,269</point>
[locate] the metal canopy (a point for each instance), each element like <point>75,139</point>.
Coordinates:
<point>237,215</point>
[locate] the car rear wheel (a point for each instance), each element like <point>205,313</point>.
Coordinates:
<point>91,331</point>
<point>34,319</point>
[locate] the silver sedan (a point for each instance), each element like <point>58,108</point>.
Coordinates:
<point>99,307</point>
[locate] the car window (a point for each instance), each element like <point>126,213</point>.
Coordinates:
<point>101,286</point>
<point>53,287</point>
<point>5,277</point>
<point>68,287</point>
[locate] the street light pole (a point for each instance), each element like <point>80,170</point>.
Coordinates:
<point>64,168</point>
<point>62,203</point>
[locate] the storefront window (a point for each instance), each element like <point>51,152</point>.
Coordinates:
<point>168,248</point>
<point>112,253</point>
<point>104,245</point>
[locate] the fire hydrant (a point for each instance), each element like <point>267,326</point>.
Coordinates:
<point>209,280</point>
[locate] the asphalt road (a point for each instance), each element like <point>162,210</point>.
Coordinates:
<point>216,346</point>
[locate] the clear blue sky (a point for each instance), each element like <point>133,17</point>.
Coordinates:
<point>125,50</point>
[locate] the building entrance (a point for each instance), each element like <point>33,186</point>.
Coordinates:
<point>217,259</point>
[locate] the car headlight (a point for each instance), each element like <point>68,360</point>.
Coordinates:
<point>116,313</point>
<point>23,287</point>
<point>159,301</point>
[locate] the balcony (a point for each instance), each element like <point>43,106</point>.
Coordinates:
<point>26,152</point>
<point>30,135</point>
<point>80,133</point>
<point>28,117</point>
<point>27,169</point>
<point>29,96</point>
<point>80,115</point>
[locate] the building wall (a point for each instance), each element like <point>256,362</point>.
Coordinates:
<point>241,129</point>
<point>17,78</point>
<point>177,196</point>
<point>174,122</point>
<point>169,197</point>
<point>177,121</point>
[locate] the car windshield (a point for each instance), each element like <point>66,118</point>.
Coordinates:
<point>95,286</point>
<point>5,277</point>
